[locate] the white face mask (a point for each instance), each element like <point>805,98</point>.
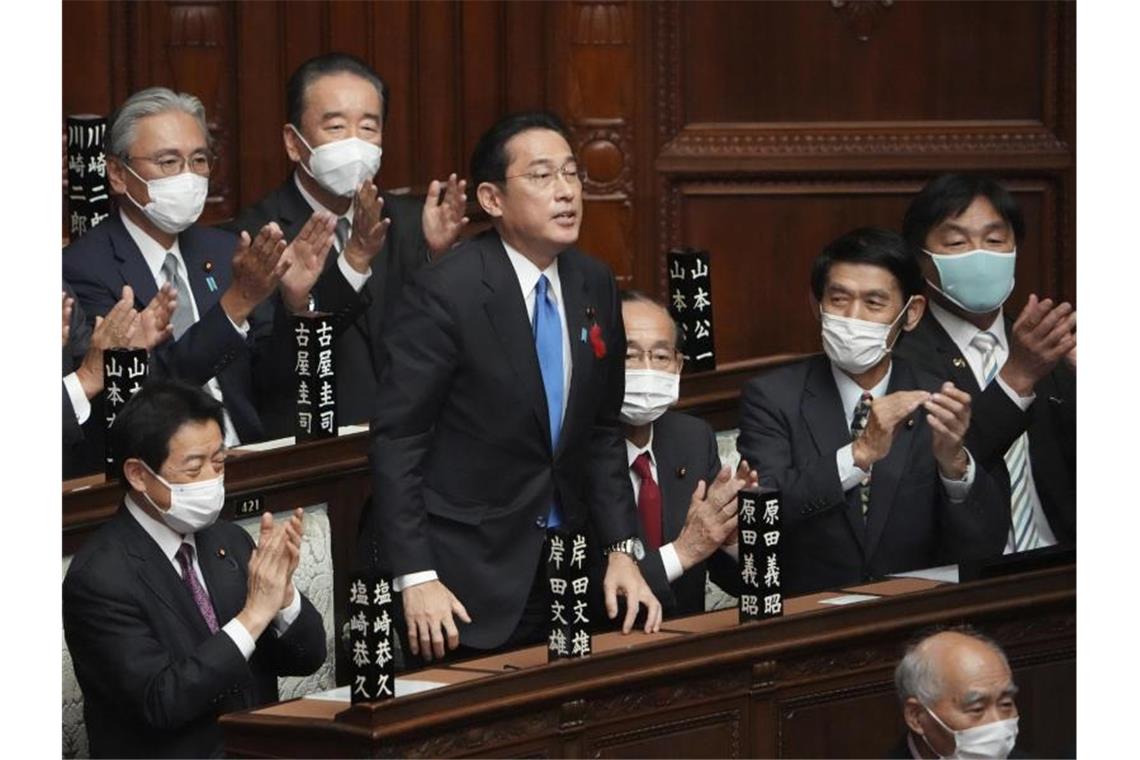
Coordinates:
<point>648,393</point>
<point>990,740</point>
<point>341,166</point>
<point>856,345</point>
<point>175,202</point>
<point>193,506</point>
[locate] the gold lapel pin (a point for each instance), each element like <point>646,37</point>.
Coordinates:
<point>959,362</point>
<point>222,553</point>
<point>910,423</point>
<point>681,471</point>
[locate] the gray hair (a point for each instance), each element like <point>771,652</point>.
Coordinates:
<point>144,103</point>
<point>916,674</point>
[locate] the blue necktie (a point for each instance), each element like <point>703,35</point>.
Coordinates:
<point>548,344</point>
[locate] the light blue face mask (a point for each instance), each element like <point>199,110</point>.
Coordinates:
<point>978,281</point>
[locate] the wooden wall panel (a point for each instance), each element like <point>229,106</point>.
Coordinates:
<point>392,29</point>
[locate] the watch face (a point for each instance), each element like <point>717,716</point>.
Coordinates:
<point>638,549</point>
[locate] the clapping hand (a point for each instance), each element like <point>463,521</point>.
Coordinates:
<point>258,266</point>
<point>306,256</point>
<point>369,228</point>
<point>442,222</point>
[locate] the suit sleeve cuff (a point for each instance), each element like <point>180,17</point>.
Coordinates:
<point>849,474</point>
<point>958,490</point>
<point>672,562</point>
<point>355,279</point>
<point>283,619</point>
<point>1023,402</point>
<point>240,636</point>
<point>402,582</point>
<point>79,402</point>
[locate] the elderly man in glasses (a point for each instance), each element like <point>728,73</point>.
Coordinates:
<point>211,282</point>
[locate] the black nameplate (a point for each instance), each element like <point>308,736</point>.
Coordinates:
<point>569,581</point>
<point>248,505</point>
<point>315,372</point>
<point>758,521</point>
<point>690,303</point>
<point>371,658</point>
<point>124,372</point>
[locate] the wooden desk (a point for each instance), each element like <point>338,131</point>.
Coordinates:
<point>815,683</point>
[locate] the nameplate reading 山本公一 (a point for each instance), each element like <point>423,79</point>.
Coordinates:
<point>370,633</point>
<point>690,304</point>
<point>124,372</point>
<point>315,372</point>
<point>569,602</point>
<point>759,525</point>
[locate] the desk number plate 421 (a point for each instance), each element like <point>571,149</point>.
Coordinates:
<point>248,505</point>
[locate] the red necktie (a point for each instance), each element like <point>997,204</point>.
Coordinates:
<point>648,501</point>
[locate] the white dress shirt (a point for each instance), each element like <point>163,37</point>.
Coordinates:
<point>962,332</point>
<point>355,279</point>
<point>669,557</point>
<point>154,255</point>
<point>528,275</point>
<point>850,474</point>
<point>79,401</point>
<point>169,541</point>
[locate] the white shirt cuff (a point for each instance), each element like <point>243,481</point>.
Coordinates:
<point>1022,401</point>
<point>671,561</point>
<point>79,402</point>
<point>958,490</point>
<point>355,279</point>
<point>849,474</point>
<point>732,550</point>
<point>240,636</point>
<point>413,579</point>
<point>283,619</point>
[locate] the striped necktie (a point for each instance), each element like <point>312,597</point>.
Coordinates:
<point>185,555</point>
<point>1023,533</point>
<point>858,425</point>
<point>183,315</point>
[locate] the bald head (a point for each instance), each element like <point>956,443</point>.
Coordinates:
<point>960,676</point>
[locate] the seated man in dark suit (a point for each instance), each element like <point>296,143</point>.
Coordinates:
<point>867,452</point>
<point>337,106</point>
<point>83,368</point>
<point>957,696</point>
<point>170,618</point>
<point>686,502</point>
<point>1020,373</point>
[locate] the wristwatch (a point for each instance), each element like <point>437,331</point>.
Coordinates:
<point>631,546</point>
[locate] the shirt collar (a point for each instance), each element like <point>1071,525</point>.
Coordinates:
<point>632,451</point>
<point>850,391</point>
<point>167,538</point>
<point>962,332</point>
<point>152,251</point>
<point>316,205</point>
<point>528,273</point>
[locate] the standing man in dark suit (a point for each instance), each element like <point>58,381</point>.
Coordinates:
<point>171,618</point>
<point>334,134</point>
<point>686,502</point>
<point>159,166</point>
<point>1021,374</point>
<point>497,413</point>
<point>867,451</point>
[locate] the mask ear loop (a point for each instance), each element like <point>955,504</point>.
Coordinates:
<point>905,307</point>
<point>310,149</point>
<point>949,730</point>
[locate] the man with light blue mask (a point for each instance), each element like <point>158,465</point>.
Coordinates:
<point>957,695</point>
<point>337,107</point>
<point>1021,373</point>
<point>866,450</point>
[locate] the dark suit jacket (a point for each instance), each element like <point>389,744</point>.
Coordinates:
<point>463,472</point>
<point>791,425</point>
<point>997,422</point>
<point>685,450</point>
<point>82,444</point>
<point>360,316</point>
<point>98,264</point>
<point>154,679</point>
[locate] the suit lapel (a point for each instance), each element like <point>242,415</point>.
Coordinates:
<point>581,354</point>
<point>224,581</point>
<point>675,502</point>
<point>132,265</point>
<point>826,421</point>
<point>158,574</point>
<point>957,368</point>
<point>888,471</point>
<point>507,312</point>
<point>195,261</point>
